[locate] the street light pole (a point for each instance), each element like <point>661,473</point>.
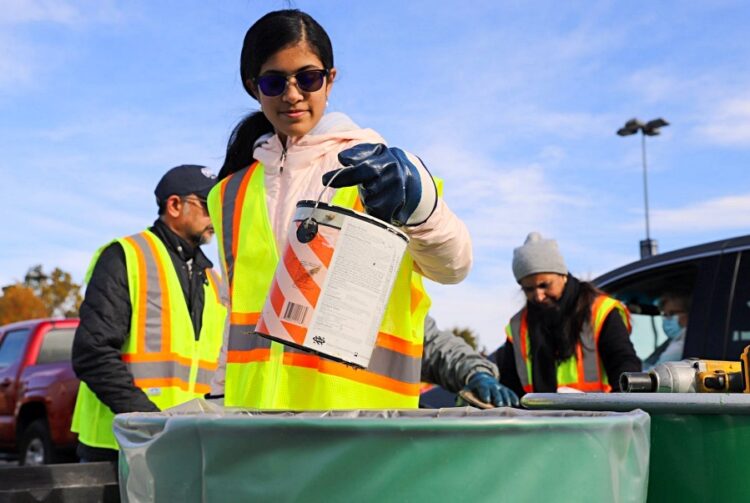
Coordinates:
<point>645,188</point>
<point>648,246</point>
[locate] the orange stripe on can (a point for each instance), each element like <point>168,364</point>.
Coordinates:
<point>302,279</point>
<point>296,332</point>
<point>322,249</point>
<point>277,298</point>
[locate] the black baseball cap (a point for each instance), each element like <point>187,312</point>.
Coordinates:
<point>184,180</point>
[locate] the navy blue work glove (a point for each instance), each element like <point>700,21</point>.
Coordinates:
<point>486,387</point>
<point>394,185</point>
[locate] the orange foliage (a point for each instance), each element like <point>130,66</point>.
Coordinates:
<point>20,303</point>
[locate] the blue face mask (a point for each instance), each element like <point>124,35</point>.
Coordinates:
<point>671,326</point>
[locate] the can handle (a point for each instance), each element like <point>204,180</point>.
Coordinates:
<point>308,229</point>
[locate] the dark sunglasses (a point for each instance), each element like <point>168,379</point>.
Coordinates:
<point>307,81</point>
<point>203,203</point>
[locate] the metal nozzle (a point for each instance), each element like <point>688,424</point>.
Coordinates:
<point>638,382</point>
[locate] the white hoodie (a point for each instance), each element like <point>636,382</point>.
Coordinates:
<point>440,247</point>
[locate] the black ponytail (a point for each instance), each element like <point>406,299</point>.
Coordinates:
<point>240,145</point>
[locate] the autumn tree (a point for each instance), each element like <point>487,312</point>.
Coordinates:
<point>57,290</point>
<point>19,302</point>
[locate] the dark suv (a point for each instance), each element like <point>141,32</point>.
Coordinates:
<point>715,277</point>
<point>37,390</point>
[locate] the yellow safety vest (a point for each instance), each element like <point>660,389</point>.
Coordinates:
<point>161,351</point>
<point>583,370</point>
<point>269,375</point>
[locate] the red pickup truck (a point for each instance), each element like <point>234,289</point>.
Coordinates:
<point>38,390</point>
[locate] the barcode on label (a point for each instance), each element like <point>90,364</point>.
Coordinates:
<point>294,312</point>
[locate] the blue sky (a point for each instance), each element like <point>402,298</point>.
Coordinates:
<point>514,104</point>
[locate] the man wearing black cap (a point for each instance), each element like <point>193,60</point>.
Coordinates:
<point>152,319</point>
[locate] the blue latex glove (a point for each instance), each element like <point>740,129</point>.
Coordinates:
<point>394,186</point>
<point>487,388</point>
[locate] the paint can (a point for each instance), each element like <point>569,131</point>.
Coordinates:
<point>333,281</point>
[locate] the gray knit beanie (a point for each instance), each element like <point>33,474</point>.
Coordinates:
<point>537,255</point>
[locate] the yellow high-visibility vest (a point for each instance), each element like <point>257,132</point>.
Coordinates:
<point>269,375</point>
<point>583,370</point>
<point>161,351</point>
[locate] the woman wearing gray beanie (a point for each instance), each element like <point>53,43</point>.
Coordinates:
<point>569,336</point>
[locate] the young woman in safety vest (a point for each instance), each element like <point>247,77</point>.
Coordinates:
<point>283,154</point>
<point>569,336</point>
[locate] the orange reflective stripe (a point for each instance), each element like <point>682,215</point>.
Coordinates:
<point>140,327</point>
<point>171,382</point>
<point>252,355</point>
<point>166,312</point>
<point>398,345</point>
<point>244,318</point>
<point>358,206</point>
<point>238,207</point>
<point>167,357</point>
<point>589,386</point>
<point>524,336</point>
<point>344,371</point>
<point>416,298</point>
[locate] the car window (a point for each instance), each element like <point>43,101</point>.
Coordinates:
<point>651,296</point>
<point>56,346</point>
<point>12,346</point>
<point>739,317</point>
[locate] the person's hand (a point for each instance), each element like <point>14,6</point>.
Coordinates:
<point>487,388</point>
<point>394,185</point>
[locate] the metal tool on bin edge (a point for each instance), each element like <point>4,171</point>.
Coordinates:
<point>692,375</point>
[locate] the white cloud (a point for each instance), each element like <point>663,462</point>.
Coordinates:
<point>25,11</point>
<point>486,310</point>
<point>722,213</point>
<point>57,11</point>
<point>728,125</point>
<point>16,62</point>
<point>655,84</point>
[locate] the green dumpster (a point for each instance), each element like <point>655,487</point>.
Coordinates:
<point>699,441</point>
<point>201,452</point>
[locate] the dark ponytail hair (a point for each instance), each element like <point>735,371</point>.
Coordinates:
<point>267,36</point>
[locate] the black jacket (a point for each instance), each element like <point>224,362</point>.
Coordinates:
<point>615,349</point>
<point>105,320</point>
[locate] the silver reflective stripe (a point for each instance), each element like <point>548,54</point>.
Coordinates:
<point>588,348</point>
<point>214,278</point>
<point>395,365</point>
<point>515,330</point>
<point>204,376</point>
<point>227,219</point>
<point>243,338</point>
<point>167,369</point>
<point>159,370</point>
<point>153,296</point>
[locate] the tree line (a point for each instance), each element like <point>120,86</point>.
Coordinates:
<point>40,295</point>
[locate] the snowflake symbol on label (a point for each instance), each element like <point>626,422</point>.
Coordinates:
<point>319,340</point>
